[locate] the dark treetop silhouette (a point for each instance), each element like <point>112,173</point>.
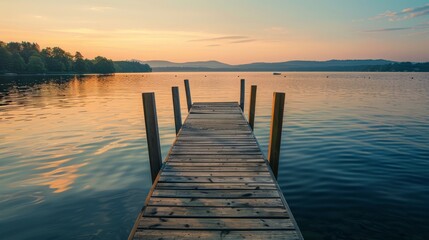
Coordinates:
<point>26,57</point>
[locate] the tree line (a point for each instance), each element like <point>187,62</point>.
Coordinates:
<point>400,67</point>
<point>27,57</point>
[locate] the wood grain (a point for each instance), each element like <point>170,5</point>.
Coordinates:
<point>215,184</point>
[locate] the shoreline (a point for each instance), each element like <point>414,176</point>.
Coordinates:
<point>61,74</point>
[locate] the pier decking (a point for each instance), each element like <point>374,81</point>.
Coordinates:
<point>215,184</point>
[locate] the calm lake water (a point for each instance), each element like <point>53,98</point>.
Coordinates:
<point>355,150</point>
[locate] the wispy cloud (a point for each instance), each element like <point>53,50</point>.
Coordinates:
<point>219,38</point>
<point>244,41</point>
<point>393,29</point>
<point>389,29</point>
<point>407,13</point>
<point>219,41</point>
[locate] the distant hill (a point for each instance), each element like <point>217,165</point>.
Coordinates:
<point>200,64</point>
<point>214,66</point>
<point>331,65</point>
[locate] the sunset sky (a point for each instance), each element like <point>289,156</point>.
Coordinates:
<point>231,31</point>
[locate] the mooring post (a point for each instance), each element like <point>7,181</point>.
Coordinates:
<point>176,106</point>
<point>252,106</point>
<point>188,94</point>
<point>152,133</point>
<point>276,131</point>
<point>242,92</point>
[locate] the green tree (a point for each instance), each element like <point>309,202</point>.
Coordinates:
<point>14,47</point>
<point>79,64</point>
<point>57,60</point>
<point>103,65</point>
<point>5,58</point>
<point>63,57</point>
<point>28,49</point>
<point>89,65</point>
<point>36,65</point>
<point>17,63</point>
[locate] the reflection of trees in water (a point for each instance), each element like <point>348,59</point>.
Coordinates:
<point>15,89</point>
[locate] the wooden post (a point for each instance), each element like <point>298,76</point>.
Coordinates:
<point>252,106</point>
<point>152,133</point>
<point>242,91</point>
<point>188,94</point>
<point>276,131</point>
<point>176,106</point>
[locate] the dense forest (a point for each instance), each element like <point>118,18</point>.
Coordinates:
<point>26,57</point>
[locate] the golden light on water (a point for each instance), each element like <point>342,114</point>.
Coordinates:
<point>59,179</point>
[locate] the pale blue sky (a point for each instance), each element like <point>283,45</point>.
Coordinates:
<point>233,31</point>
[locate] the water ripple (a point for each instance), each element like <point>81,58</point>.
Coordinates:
<point>354,154</point>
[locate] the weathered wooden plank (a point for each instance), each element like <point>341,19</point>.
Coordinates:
<point>219,186</point>
<point>214,134</point>
<point>222,212</point>
<point>211,148</point>
<point>216,116</point>
<point>213,202</point>
<point>196,144</point>
<point>218,103</point>
<point>216,223</point>
<point>219,152</point>
<point>229,127</point>
<point>221,234</point>
<point>214,141</point>
<point>214,147</point>
<point>216,193</point>
<point>215,184</point>
<point>215,174</point>
<point>214,164</point>
<point>213,137</point>
<point>258,157</point>
<point>262,179</point>
<point>216,129</point>
<point>170,168</point>
<point>215,160</point>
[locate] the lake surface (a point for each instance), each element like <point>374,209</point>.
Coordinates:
<point>354,157</point>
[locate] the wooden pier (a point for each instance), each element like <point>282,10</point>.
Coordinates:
<point>215,182</point>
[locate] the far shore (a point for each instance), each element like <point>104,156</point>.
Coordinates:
<point>64,74</point>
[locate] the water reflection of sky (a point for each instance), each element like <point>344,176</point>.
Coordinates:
<point>76,145</point>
